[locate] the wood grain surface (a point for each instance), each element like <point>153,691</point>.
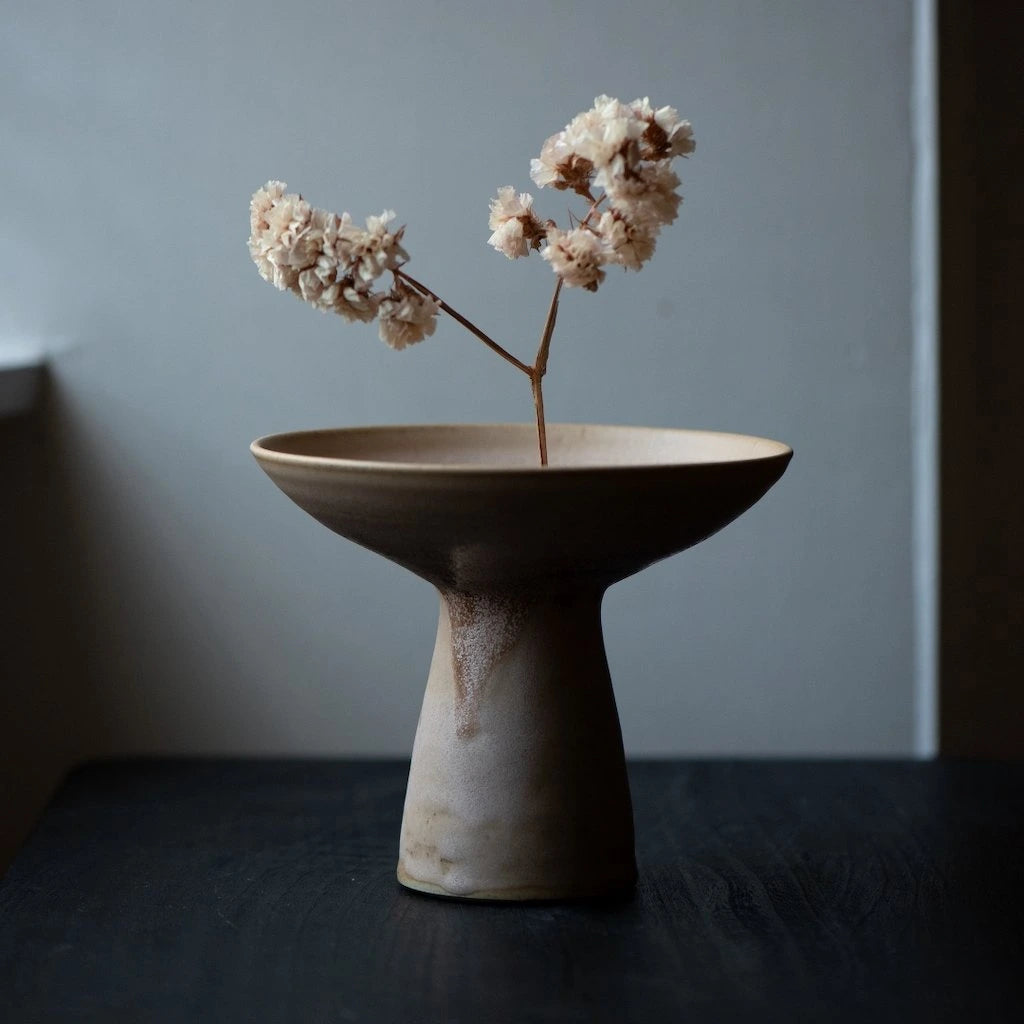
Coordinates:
<point>223,891</point>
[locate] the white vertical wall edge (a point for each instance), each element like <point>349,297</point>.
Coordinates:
<point>924,381</point>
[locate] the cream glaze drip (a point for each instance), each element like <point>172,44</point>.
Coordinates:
<point>484,627</point>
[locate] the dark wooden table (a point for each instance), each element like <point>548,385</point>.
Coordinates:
<point>248,891</point>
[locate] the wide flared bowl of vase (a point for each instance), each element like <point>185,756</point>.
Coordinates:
<point>517,788</point>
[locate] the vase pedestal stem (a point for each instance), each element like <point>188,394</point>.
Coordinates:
<point>518,786</point>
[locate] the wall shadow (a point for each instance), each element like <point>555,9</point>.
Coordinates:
<point>48,720</point>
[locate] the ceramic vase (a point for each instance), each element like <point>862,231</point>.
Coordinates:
<point>518,788</point>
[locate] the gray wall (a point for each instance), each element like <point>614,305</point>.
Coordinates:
<point>208,614</point>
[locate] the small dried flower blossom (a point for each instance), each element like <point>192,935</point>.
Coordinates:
<point>576,256</point>
<point>630,243</point>
<point>647,197</point>
<point>560,167</point>
<point>377,249</point>
<point>406,316</point>
<point>665,134</point>
<point>516,227</point>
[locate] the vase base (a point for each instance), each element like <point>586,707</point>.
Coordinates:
<point>610,890</point>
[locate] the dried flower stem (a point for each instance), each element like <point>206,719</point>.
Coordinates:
<point>469,325</point>
<point>538,406</point>
<point>535,372</point>
<point>540,365</point>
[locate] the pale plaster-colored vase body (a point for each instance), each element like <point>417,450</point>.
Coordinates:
<point>518,787</point>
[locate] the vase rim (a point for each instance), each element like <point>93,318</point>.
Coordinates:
<point>580,444</point>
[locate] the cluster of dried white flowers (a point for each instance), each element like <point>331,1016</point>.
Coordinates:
<point>622,151</point>
<point>333,264</point>
<point>616,156</point>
